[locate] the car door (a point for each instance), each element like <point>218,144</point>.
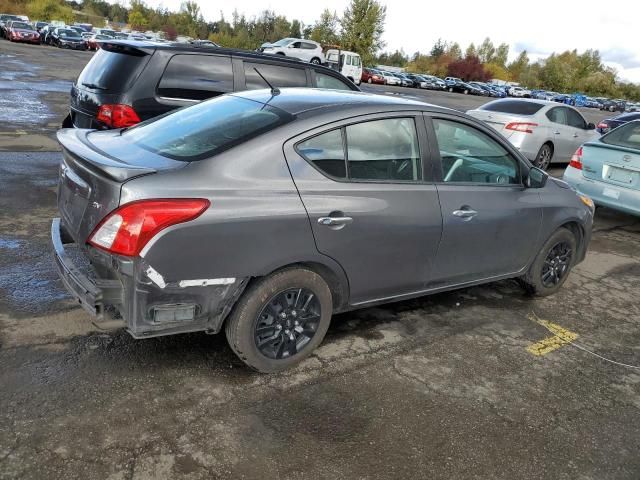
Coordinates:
<point>560,133</point>
<point>579,131</point>
<point>371,206</point>
<point>491,222</point>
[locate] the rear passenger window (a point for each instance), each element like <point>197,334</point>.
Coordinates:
<point>196,77</point>
<point>383,150</point>
<point>558,115</point>
<point>277,75</point>
<point>327,81</point>
<point>379,150</point>
<point>326,153</point>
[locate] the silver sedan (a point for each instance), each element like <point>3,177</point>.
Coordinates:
<point>545,132</point>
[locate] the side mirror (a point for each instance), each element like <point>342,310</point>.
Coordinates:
<point>591,126</point>
<point>537,178</point>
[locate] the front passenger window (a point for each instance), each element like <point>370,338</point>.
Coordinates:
<point>469,155</point>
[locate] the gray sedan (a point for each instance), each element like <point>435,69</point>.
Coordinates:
<point>265,212</point>
<point>544,132</point>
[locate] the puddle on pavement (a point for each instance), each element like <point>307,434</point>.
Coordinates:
<point>20,107</point>
<point>62,86</point>
<point>21,101</point>
<point>9,243</point>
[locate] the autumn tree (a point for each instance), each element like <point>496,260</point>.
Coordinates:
<point>362,28</point>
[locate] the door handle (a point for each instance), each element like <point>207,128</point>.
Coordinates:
<point>575,135</point>
<point>334,221</point>
<point>556,132</point>
<point>465,213</point>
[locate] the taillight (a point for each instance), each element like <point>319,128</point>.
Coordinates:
<point>129,228</point>
<point>576,159</point>
<point>525,127</point>
<point>603,126</point>
<point>117,115</point>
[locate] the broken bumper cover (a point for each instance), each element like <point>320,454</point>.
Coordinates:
<point>138,297</point>
<point>94,296</point>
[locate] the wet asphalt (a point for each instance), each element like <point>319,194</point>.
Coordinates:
<point>441,387</point>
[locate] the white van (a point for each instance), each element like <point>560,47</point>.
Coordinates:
<point>347,63</point>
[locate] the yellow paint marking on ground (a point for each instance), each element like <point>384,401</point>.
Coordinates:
<point>561,336</point>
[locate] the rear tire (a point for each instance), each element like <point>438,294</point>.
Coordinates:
<point>369,80</point>
<point>266,314</point>
<point>544,157</point>
<point>315,61</point>
<point>552,265</point>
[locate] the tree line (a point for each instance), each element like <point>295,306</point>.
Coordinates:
<point>359,28</point>
<point>566,72</point>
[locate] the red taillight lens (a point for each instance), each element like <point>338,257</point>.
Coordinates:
<point>129,228</point>
<point>603,125</point>
<point>576,159</point>
<point>117,115</point>
<point>524,127</point>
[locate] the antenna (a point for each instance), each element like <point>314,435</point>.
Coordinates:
<point>274,90</point>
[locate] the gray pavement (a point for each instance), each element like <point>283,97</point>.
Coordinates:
<point>440,387</point>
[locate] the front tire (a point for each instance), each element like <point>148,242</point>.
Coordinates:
<point>552,265</point>
<point>280,320</point>
<point>369,80</point>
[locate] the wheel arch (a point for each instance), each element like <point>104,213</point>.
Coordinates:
<point>336,281</point>
<point>578,232</point>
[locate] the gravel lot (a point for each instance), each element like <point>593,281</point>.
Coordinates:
<point>437,387</point>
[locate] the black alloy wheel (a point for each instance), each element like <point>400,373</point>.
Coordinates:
<point>287,323</point>
<point>557,264</point>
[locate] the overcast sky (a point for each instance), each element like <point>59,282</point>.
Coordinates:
<point>540,27</point>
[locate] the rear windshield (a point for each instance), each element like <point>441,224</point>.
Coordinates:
<point>113,71</point>
<point>206,129</point>
<point>518,107</point>
<point>628,135</point>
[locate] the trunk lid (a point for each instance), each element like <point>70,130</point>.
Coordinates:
<point>498,121</point>
<point>612,164</point>
<point>90,179</point>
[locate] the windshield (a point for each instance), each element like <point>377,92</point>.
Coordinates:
<point>628,135</point>
<point>206,129</point>
<point>283,42</point>
<point>22,25</point>
<point>67,33</point>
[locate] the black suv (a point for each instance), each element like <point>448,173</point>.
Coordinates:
<point>130,81</point>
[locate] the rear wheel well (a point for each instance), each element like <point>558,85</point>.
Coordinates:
<point>339,291</point>
<point>550,143</point>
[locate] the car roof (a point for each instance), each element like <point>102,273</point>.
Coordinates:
<point>529,100</point>
<point>308,100</point>
<point>188,47</point>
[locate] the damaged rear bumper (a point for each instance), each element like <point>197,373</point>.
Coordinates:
<point>93,295</point>
<point>136,296</point>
